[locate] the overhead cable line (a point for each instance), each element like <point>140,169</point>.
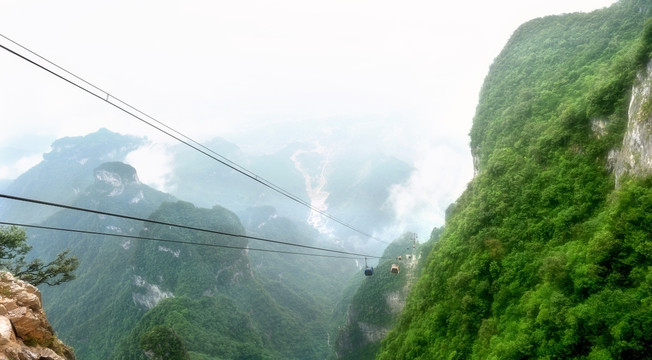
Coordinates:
<point>181,226</point>
<point>88,232</point>
<point>171,132</point>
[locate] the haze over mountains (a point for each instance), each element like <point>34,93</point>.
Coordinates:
<point>330,145</point>
<point>333,173</point>
<point>265,304</point>
<point>546,254</point>
<point>128,278</point>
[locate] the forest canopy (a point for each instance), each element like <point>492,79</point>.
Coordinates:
<point>542,256</point>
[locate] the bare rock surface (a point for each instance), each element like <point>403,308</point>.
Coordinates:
<point>634,158</point>
<point>25,332</point>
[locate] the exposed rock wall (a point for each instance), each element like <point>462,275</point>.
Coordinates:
<point>25,332</point>
<point>635,156</point>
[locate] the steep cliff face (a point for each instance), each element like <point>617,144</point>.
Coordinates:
<point>635,156</point>
<point>111,178</point>
<point>25,332</point>
<point>543,255</point>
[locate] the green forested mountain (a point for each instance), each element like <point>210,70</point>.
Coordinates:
<point>131,297</point>
<point>311,286</point>
<point>177,301</point>
<point>547,252</point>
<point>208,297</point>
<point>93,312</point>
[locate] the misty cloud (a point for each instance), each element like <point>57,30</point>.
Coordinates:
<point>13,170</point>
<point>438,179</point>
<point>154,163</point>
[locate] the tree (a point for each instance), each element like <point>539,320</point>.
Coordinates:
<point>163,343</point>
<point>14,248</point>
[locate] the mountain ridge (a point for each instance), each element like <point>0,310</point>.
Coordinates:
<point>542,256</point>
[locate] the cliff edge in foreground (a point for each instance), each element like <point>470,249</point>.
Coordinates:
<point>25,332</point>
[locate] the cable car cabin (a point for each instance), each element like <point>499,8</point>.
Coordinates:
<point>369,270</point>
<point>400,258</point>
<point>394,269</point>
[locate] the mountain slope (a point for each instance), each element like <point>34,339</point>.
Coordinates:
<point>94,311</point>
<point>287,300</point>
<point>133,296</point>
<point>217,303</point>
<point>542,256</point>
<point>311,286</point>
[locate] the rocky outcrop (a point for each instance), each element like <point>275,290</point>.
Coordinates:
<point>111,178</point>
<point>25,332</point>
<point>635,156</point>
<point>152,293</point>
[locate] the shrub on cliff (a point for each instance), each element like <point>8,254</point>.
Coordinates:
<point>13,250</point>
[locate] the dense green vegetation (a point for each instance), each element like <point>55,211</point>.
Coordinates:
<point>368,302</point>
<point>310,286</point>
<point>162,343</point>
<point>541,257</point>
<point>134,299</point>
<point>196,328</point>
<point>96,310</point>
<point>220,308</point>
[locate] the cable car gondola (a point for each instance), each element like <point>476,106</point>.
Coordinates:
<point>368,270</point>
<point>394,269</point>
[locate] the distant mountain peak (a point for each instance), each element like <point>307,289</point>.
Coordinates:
<point>103,144</point>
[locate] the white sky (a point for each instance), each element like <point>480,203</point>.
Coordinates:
<point>218,68</point>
